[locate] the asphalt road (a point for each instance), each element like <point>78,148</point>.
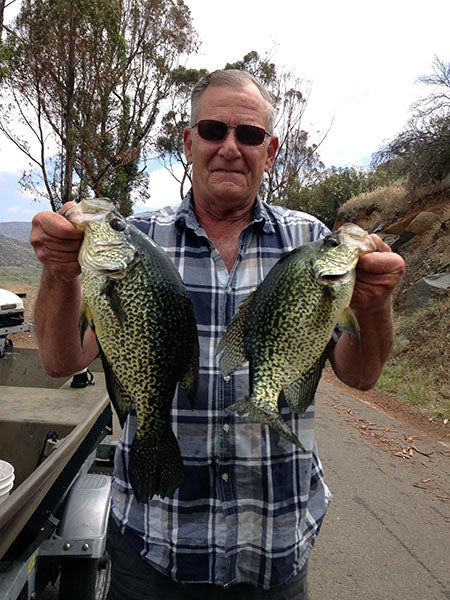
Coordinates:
<point>386,534</point>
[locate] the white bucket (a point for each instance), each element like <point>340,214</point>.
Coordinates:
<point>6,479</point>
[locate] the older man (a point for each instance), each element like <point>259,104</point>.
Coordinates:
<point>243,522</point>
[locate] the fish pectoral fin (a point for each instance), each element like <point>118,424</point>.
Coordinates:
<point>156,466</point>
<point>300,393</point>
<point>231,346</point>
<point>119,398</point>
<point>189,382</point>
<point>84,321</point>
<point>349,323</point>
<point>260,415</point>
<point>110,291</point>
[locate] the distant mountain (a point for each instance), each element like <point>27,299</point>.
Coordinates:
<point>16,253</point>
<point>18,230</point>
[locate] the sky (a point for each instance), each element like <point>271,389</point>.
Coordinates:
<point>360,60</point>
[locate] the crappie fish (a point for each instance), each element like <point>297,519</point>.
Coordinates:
<point>144,322</point>
<point>284,326</point>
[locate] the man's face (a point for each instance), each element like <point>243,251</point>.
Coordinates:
<point>226,173</point>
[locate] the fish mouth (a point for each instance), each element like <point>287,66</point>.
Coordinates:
<point>111,259</point>
<point>353,235</point>
<point>88,210</point>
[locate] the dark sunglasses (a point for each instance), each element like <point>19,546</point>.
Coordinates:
<point>216,131</point>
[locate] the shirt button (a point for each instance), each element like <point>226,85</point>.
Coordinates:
<point>226,428</point>
<point>225,476</point>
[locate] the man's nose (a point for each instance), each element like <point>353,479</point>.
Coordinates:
<point>230,146</point>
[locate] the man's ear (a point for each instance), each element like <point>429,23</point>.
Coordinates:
<point>187,139</point>
<point>271,152</point>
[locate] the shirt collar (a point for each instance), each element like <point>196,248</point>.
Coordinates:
<point>186,216</point>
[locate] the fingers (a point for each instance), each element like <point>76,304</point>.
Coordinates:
<point>381,245</point>
<point>377,275</point>
<point>56,244</point>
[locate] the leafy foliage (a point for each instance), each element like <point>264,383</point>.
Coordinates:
<point>85,79</point>
<point>334,188</point>
<point>169,143</point>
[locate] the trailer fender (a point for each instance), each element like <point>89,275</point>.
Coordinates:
<point>83,526</point>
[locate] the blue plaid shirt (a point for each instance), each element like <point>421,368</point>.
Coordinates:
<point>251,503</point>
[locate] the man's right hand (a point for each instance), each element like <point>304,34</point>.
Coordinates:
<point>56,243</point>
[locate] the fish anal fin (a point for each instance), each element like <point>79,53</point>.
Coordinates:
<point>300,393</point>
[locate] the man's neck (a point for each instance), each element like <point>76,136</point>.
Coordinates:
<point>223,227</point>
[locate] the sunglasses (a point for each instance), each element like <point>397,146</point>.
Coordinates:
<point>216,131</point>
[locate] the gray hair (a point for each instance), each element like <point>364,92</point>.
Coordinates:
<point>233,78</point>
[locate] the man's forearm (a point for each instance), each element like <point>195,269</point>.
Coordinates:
<point>56,316</point>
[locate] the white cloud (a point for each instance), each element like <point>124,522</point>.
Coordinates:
<point>164,190</point>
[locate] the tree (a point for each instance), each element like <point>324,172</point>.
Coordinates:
<point>334,187</point>
<point>169,143</point>
<point>87,79</point>
<point>421,152</point>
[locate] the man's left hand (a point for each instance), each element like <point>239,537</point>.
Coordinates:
<point>377,274</point>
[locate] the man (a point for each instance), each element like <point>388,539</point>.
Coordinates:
<point>245,518</point>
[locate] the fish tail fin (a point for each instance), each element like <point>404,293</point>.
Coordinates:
<point>259,415</point>
<point>155,465</point>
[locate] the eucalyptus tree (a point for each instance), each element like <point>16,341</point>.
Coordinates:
<point>169,143</point>
<point>82,84</point>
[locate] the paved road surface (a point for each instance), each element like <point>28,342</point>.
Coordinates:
<point>386,534</point>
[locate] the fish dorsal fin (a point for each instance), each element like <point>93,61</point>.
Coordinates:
<point>300,393</point>
<point>231,346</point>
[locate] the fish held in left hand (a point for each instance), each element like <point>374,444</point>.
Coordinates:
<point>284,327</point>
<point>145,326</point>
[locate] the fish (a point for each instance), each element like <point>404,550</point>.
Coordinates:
<point>283,328</point>
<point>143,318</point>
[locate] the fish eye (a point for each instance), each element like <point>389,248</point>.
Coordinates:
<point>117,224</point>
<point>332,242</point>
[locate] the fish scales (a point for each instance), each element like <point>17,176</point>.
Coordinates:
<point>145,326</point>
<point>284,327</point>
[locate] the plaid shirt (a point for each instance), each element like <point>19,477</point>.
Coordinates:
<point>251,503</point>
